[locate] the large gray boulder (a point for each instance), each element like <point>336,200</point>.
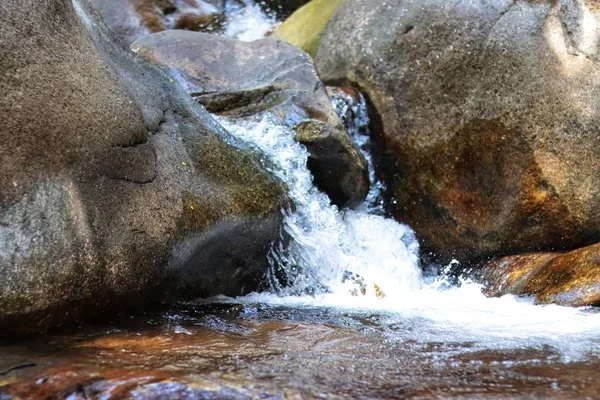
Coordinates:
<point>266,77</point>
<point>117,189</point>
<point>488,116</point>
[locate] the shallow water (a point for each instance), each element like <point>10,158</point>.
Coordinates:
<point>253,350</point>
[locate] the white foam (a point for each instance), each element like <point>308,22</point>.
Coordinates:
<point>326,244</point>
<point>247,22</point>
<point>464,315</point>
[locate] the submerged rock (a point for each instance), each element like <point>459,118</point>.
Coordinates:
<point>489,117</point>
<point>246,80</point>
<point>132,19</point>
<point>117,188</point>
<point>570,279</point>
<point>305,26</point>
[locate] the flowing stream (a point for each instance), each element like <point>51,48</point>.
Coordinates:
<point>247,21</point>
<point>348,314</point>
<point>360,260</point>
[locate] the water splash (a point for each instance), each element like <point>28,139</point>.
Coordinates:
<point>329,251</point>
<point>247,21</point>
<point>362,262</point>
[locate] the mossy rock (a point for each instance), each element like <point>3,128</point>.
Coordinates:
<point>245,81</point>
<point>119,192</point>
<point>305,26</point>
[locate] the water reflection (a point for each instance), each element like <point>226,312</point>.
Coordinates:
<point>232,350</point>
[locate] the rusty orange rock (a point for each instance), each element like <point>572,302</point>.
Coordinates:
<point>571,279</point>
<point>487,116</point>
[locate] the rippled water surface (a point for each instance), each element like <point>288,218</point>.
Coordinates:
<point>251,350</point>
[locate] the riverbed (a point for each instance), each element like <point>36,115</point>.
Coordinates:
<point>241,350</point>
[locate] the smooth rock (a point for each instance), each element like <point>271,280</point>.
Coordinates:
<point>569,279</point>
<point>306,25</point>
<point>248,80</point>
<point>118,190</point>
<point>488,117</point>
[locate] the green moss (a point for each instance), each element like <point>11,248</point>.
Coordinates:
<point>239,187</point>
<point>305,26</point>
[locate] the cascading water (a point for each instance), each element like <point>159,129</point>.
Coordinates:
<point>330,251</point>
<point>359,260</point>
<point>247,21</point>
<point>352,109</point>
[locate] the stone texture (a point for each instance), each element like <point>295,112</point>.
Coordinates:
<point>113,179</point>
<point>246,80</point>
<point>305,26</point>
<point>570,279</point>
<point>488,117</point>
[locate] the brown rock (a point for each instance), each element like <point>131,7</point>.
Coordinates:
<point>132,19</point>
<point>571,279</point>
<point>489,117</point>
<point>245,80</point>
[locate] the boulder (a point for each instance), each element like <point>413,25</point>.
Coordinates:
<point>132,19</point>
<point>243,80</point>
<point>118,190</point>
<point>569,279</point>
<point>306,25</point>
<point>488,117</point>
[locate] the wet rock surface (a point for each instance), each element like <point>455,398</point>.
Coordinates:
<point>266,77</point>
<point>257,351</point>
<point>132,19</point>
<point>570,279</point>
<point>118,190</point>
<point>488,117</point>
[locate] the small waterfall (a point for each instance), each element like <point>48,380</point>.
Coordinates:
<point>351,106</point>
<point>360,260</point>
<point>354,252</point>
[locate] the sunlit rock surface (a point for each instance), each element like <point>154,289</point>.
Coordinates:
<point>242,80</point>
<point>305,27</point>
<point>571,279</point>
<point>117,189</point>
<point>489,117</point>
